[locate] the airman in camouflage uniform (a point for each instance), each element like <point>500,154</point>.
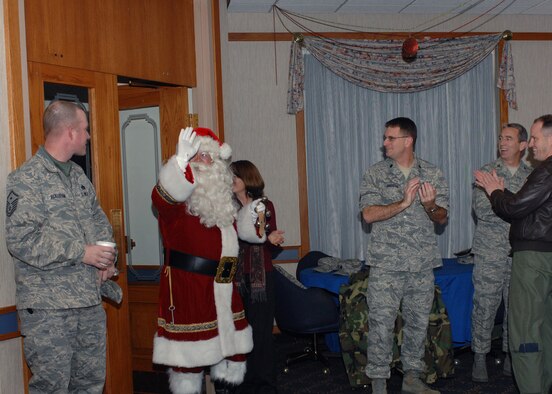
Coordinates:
<point>353,331</point>
<point>491,247</point>
<point>402,197</point>
<point>53,220</point>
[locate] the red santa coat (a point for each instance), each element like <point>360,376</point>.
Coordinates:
<point>200,322</point>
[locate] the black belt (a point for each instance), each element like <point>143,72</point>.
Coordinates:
<point>187,262</point>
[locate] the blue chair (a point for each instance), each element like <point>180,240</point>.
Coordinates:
<point>305,311</point>
<point>309,260</point>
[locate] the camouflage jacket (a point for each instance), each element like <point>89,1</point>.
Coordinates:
<point>406,241</point>
<point>490,240</point>
<point>353,334</point>
<point>49,219</point>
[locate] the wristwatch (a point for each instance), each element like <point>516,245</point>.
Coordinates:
<point>432,210</point>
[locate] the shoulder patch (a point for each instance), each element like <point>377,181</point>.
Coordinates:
<point>11,203</point>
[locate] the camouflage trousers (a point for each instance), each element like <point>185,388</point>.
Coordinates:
<point>386,290</point>
<point>491,282</point>
<point>65,349</point>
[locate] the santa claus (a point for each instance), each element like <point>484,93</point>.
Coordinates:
<point>201,319</point>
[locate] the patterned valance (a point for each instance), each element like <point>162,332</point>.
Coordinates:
<point>379,65</point>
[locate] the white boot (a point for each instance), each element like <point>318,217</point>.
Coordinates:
<point>227,371</point>
<point>185,383</point>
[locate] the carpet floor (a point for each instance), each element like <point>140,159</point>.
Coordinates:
<point>307,377</point>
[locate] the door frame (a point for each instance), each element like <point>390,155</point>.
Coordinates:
<point>106,156</point>
<point>144,296</point>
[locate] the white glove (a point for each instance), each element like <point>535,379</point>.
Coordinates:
<point>257,207</point>
<point>186,148</point>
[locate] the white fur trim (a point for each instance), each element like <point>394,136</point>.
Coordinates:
<point>185,383</point>
<point>198,353</point>
<point>207,144</point>
<point>229,372</point>
<point>229,238</point>
<point>223,304</point>
<point>174,181</point>
<point>225,151</point>
<point>246,228</point>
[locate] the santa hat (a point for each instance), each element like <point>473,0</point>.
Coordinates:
<point>212,144</point>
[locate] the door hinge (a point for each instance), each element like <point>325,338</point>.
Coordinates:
<point>193,120</point>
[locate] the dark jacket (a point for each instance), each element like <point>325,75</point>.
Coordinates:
<point>530,210</point>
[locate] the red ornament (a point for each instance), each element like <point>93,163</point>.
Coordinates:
<point>409,49</point>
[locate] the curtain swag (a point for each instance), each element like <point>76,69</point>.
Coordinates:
<point>378,64</point>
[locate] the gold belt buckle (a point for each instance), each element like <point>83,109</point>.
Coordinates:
<point>226,269</point>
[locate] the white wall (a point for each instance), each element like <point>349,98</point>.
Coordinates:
<point>259,129</point>
<point>532,65</point>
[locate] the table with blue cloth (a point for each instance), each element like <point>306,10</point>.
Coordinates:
<point>454,279</point>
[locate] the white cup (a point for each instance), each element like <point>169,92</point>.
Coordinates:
<point>107,243</point>
<point>112,245</point>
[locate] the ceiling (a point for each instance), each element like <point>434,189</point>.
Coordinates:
<point>511,7</point>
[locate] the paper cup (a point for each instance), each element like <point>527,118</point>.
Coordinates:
<point>112,245</point>
<point>107,243</point>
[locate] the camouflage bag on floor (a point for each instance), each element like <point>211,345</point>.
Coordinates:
<point>353,327</point>
<point>439,355</point>
<point>353,333</point>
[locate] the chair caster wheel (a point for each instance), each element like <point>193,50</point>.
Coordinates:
<point>286,370</point>
<point>326,371</point>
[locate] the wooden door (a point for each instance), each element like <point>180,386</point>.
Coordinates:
<point>104,161</point>
<point>171,104</point>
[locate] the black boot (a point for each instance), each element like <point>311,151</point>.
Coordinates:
<point>222,387</point>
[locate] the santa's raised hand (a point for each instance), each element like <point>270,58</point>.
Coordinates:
<point>186,148</point>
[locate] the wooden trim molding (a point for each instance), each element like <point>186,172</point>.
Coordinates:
<point>9,323</point>
<point>521,36</point>
<point>14,92</point>
<point>137,97</point>
<point>302,182</point>
<point>217,60</point>
<point>261,36</point>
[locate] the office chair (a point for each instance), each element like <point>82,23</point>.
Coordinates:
<point>302,310</point>
<point>309,260</point>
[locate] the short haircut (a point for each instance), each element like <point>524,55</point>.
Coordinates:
<point>59,113</point>
<point>251,177</point>
<point>406,125</point>
<point>522,131</point>
<point>546,123</point>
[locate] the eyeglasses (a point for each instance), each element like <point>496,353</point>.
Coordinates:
<point>391,138</point>
<point>204,157</point>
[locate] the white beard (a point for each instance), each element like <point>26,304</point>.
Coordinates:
<point>212,199</point>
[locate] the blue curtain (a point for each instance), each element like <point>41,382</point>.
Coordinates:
<point>457,130</point>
